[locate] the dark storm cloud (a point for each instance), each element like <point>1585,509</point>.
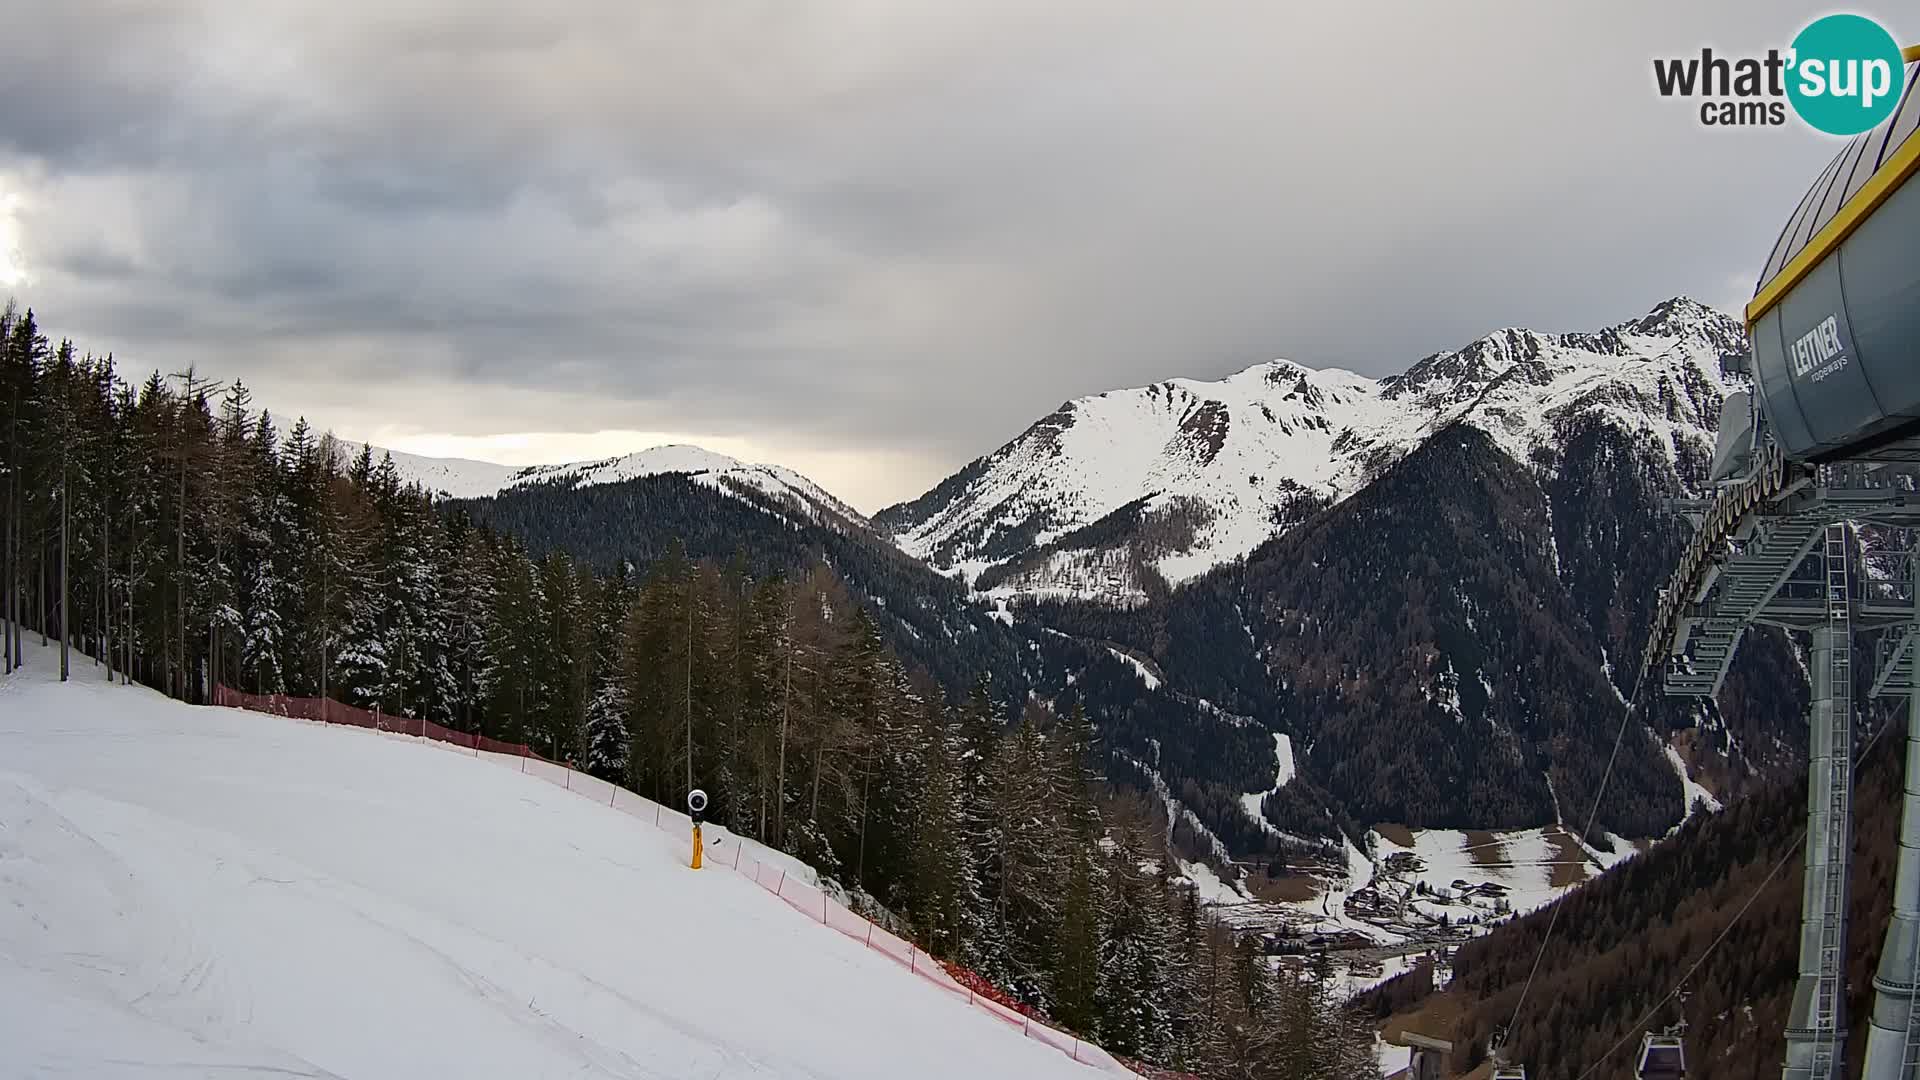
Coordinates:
<point>856,225</point>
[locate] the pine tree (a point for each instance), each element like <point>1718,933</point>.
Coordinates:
<point>608,743</point>
<point>513,619</point>
<point>657,673</point>
<point>263,591</point>
<point>1137,959</point>
<point>23,353</point>
<point>63,480</point>
<point>946,893</point>
<point>766,661</point>
<point>1076,982</point>
<point>336,604</point>
<point>468,586</point>
<point>420,630</point>
<point>560,660</point>
<point>194,517</point>
<point>1024,844</point>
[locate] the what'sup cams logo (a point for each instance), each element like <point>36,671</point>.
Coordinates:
<point>1843,75</point>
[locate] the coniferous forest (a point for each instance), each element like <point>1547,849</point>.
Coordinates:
<point>167,531</point>
<point>1704,927</point>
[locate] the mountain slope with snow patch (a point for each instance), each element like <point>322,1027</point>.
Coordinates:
<point>1181,476</point>
<point>456,478</point>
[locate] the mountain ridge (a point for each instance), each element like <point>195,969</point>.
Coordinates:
<point>465,478</point>
<point>1216,468</point>
<point>1564,449</point>
<point>1503,528</point>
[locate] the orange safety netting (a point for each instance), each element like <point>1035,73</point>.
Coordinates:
<point>731,853</point>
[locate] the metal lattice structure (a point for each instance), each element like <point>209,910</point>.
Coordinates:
<point>1756,557</point>
<point>1826,441</point>
<point>1830,751</point>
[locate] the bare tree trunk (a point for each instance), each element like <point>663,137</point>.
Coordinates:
<point>6,581</point>
<point>180,575</point>
<point>689,679</point>
<point>323,627</point>
<point>66,597</point>
<point>866,786</point>
<point>813,808</point>
<point>106,583</point>
<point>133,544</point>
<point>19,579</point>
<point>12,541</point>
<point>780,782</point>
<point>10,588</point>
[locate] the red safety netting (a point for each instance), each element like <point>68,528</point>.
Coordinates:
<point>727,851</point>
<point>328,711</point>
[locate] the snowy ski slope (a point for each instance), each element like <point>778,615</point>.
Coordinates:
<point>207,892</point>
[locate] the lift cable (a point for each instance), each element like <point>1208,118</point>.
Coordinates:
<point>1553,919</point>
<point>1792,850</point>
<point>1635,1028</point>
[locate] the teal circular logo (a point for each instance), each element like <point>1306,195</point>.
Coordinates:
<point>1845,75</point>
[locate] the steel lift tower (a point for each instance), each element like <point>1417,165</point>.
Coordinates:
<point>1827,442</point>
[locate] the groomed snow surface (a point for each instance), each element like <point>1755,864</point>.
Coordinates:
<point>195,891</point>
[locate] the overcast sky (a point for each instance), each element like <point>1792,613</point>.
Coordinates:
<point>870,239</point>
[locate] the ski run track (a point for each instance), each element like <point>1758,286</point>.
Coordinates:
<point>191,891</point>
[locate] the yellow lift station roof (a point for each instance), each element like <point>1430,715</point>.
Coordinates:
<point>1870,169</point>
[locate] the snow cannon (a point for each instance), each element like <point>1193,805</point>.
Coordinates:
<point>1835,318</point>
<point>697,810</point>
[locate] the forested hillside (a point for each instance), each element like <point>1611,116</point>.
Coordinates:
<point>180,535</point>
<point>1448,646</point>
<point>1452,643</point>
<point>924,616</point>
<point>1208,758</point>
<point>1622,944</point>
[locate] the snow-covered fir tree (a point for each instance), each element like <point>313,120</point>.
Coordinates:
<point>607,742</point>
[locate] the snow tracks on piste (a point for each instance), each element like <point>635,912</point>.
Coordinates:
<point>808,899</point>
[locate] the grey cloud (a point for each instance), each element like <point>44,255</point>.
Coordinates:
<point>853,225</point>
<point>96,264</point>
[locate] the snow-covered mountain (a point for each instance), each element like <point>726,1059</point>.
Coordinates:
<point>1180,476</point>
<point>452,478</point>
<point>459,478</point>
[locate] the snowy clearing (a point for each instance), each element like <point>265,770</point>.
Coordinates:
<point>196,891</point>
<point>1521,862</point>
<point>1140,669</point>
<point>1693,792</point>
<point>1349,984</point>
<point>1283,773</point>
<point>1392,1058</point>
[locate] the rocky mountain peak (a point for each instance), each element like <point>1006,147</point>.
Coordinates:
<point>1200,470</point>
